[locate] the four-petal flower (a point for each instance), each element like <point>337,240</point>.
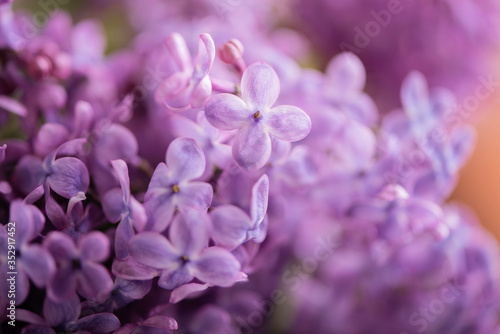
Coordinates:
<point>255,117</point>
<point>172,186</point>
<point>186,255</point>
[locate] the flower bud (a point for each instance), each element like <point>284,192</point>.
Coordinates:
<point>62,65</point>
<point>40,67</point>
<point>231,51</point>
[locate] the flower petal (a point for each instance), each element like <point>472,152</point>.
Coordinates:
<point>217,266</point>
<point>50,137</point>
<point>206,54</point>
<point>260,86</point>
<point>160,179</point>
<point>60,246</point>
<point>95,281</point>
<point>346,73</point>
<point>186,290</point>
<point>201,92</point>
<point>29,174</point>
<point>185,159</point>
<point>251,147</point>
<point>176,46</point>
<point>123,234</point>
<point>95,323</point>
<point>189,232</point>
<point>153,250</point>
<point>196,195</point>
<point>13,106</point>
<point>69,176</point>
<point>63,285</point>
<point>172,91</point>
<point>112,204</point>
<point>20,215</point>
<point>94,246</point>
<point>260,194</point>
<point>160,209</point>
<point>288,123</point>
<point>415,95</point>
<point>227,112</point>
<point>56,313</point>
<point>170,280</point>
<point>121,170</point>
<point>137,214</point>
<point>130,269</point>
<point>160,321</point>
<point>115,142</point>
<point>135,289</point>
<point>38,264</point>
<point>230,226</point>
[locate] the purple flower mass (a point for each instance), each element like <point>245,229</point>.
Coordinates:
<point>196,167</point>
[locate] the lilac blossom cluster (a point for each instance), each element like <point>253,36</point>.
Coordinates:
<point>201,181</point>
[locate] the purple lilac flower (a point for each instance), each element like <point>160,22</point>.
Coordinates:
<point>185,254</point>
<point>67,176</point>
<point>172,186</point>
<point>32,261</point>
<point>66,315</point>
<point>209,139</point>
<point>78,265</point>
<point>232,226</point>
<point>119,205</point>
<point>255,118</point>
<point>190,86</point>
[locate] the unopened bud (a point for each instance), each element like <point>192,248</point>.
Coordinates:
<point>231,51</point>
<point>40,67</point>
<point>62,65</point>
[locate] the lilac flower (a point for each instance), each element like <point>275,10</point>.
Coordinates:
<point>124,292</point>
<point>67,176</point>
<point>232,226</point>
<point>78,265</point>
<point>190,86</point>
<point>172,186</point>
<point>32,261</point>
<point>119,205</point>
<point>345,80</point>
<point>185,254</point>
<point>209,139</point>
<point>255,118</point>
<point>295,167</point>
<point>77,220</point>
<point>66,315</point>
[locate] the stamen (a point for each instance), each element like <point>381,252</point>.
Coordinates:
<point>175,188</point>
<point>257,115</point>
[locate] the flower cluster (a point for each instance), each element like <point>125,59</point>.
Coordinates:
<point>200,182</point>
